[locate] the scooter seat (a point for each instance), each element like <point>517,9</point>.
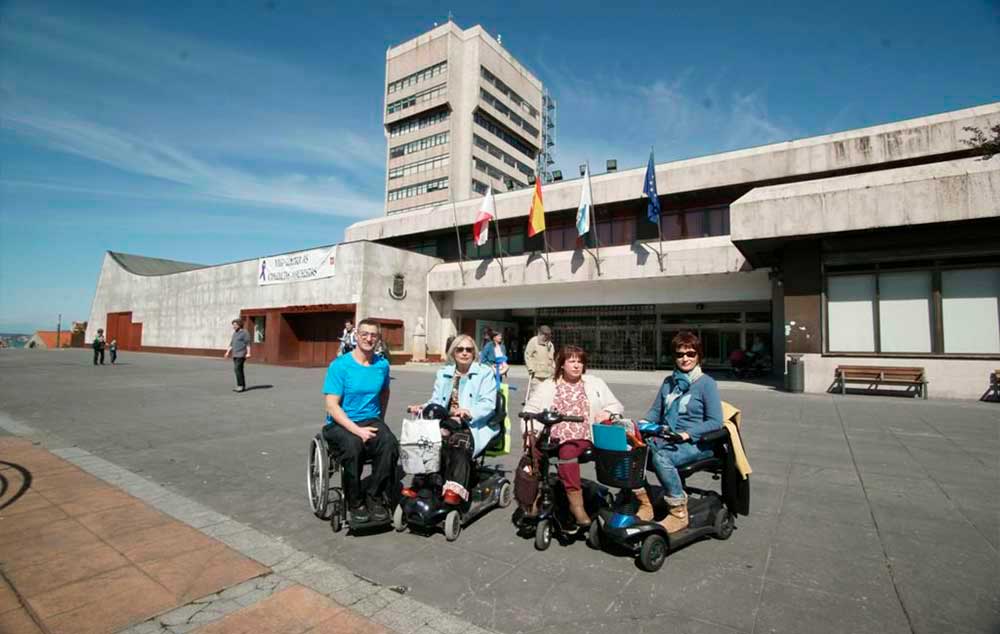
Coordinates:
<point>712,464</point>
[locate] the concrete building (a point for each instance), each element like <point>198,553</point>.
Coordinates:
<point>461,114</point>
<point>876,246</point>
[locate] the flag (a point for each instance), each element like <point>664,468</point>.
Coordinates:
<point>487,212</point>
<point>583,211</point>
<point>649,188</point>
<point>536,217</point>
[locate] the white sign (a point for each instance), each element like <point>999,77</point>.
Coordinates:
<point>300,266</point>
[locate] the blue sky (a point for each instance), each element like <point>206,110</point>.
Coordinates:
<point>219,131</point>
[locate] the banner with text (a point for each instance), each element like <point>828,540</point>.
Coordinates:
<point>300,266</point>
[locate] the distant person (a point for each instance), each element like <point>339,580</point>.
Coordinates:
<point>99,346</point>
<point>348,338</point>
<point>113,347</point>
<point>495,355</point>
<point>239,347</point>
<point>540,357</point>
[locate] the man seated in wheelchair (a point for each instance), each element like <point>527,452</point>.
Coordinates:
<point>356,391</point>
<point>688,403</point>
<point>465,396</point>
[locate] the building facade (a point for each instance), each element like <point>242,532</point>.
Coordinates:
<point>461,114</point>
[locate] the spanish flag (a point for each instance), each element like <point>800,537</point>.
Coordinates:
<point>536,217</point>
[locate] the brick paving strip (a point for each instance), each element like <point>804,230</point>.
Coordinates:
<point>90,547</point>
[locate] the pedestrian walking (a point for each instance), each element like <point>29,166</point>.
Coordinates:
<point>239,347</point>
<point>113,347</point>
<point>99,346</point>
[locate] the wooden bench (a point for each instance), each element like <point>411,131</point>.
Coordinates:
<point>875,375</point>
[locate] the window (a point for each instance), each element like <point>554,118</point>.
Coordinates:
<point>969,303</point>
<point>850,310</point>
<point>507,112</point>
<point>419,144</point>
<point>416,190</point>
<point>695,223</point>
<point>501,132</point>
<point>411,101</point>
<point>507,92</point>
<point>417,123</point>
<point>493,172</point>
<point>419,167</point>
<point>479,187</point>
<point>420,75</point>
<point>904,302</point>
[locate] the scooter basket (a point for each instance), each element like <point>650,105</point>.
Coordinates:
<point>621,469</point>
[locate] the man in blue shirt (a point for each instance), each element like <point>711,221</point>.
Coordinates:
<point>356,390</point>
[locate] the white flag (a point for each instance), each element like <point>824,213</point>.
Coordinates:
<point>583,212</point>
<point>487,212</point>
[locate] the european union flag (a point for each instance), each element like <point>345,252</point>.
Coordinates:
<point>653,210</point>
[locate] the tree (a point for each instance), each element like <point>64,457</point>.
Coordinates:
<point>988,146</point>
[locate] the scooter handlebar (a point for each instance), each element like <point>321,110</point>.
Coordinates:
<point>548,417</point>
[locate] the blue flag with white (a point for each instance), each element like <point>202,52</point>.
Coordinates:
<point>583,211</point>
<point>649,188</point>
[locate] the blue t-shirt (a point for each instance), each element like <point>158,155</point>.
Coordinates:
<point>358,386</point>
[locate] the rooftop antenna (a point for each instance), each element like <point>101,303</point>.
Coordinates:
<point>499,39</point>
<point>451,17</point>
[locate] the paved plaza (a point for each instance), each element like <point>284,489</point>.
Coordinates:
<point>868,513</point>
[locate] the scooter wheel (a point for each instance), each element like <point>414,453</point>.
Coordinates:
<point>398,520</point>
<point>543,535</point>
<point>506,495</point>
<point>452,525</point>
<point>724,524</point>
<point>594,539</point>
<point>653,553</point>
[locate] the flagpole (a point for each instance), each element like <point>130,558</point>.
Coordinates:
<point>659,216</point>
<point>545,233</point>
<point>593,222</point>
<point>496,227</point>
<point>458,240</point>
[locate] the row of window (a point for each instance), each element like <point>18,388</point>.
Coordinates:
<point>421,75</point>
<point>418,123</point>
<point>419,167</point>
<point>416,145</point>
<point>493,150</point>
<point>507,112</point>
<point>500,131</point>
<point>507,92</point>
<point>949,311</point>
<point>419,188</point>
<point>493,172</point>
<point>425,95</point>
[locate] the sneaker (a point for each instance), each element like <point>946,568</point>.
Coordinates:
<point>239,389</point>
<point>379,512</point>
<point>359,515</point>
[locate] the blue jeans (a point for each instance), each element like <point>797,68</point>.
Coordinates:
<point>666,458</point>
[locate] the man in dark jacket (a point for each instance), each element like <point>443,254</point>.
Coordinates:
<point>239,347</point>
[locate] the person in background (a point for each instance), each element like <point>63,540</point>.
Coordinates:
<point>99,346</point>
<point>495,355</point>
<point>113,347</point>
<point>239,347</point>
<point>540,357</point>
<point>348,338</point>
<point>689,404</point>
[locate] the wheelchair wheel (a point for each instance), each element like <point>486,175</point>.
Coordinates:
<point>452,525</point>
<point>336,516</point>
<point>398,521</point>
<point>543,535</point>
<point>725,522</point>
<point>594,538</point>
<point>506,495</point>
<point>318,477</point>
<point>653,553</point>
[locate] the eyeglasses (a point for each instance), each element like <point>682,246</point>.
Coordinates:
<point>465,349</point>
<point>368,335</point>
<point>690,354</point>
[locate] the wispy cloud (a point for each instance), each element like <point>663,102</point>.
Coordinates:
<point>216,120</point>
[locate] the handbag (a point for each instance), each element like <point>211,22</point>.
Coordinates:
<point>420,445</point>
<point>528,476</point>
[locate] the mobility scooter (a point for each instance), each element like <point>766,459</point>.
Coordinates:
<point>422,506</point>
<point>552,517</point>
<point>711,514</point>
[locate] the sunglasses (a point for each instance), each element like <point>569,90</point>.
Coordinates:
<point>465,349</point>
<point>367,335</point>
<point>690,354</point>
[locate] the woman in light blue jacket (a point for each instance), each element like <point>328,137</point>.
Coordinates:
<point>468,391</point>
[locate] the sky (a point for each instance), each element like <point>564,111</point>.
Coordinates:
<point>212,131</point>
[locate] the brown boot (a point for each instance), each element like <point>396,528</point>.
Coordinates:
<point>645,512</point>
<point>577,509</point>
<point>677,519</point>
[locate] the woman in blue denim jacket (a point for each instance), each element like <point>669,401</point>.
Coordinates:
<point>688,403</point>
<point>468,391</point>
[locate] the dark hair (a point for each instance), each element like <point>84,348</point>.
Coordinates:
<point>238,321</point>
<point>368,321</point>
<point>568,352</point>
<point>687,338</point>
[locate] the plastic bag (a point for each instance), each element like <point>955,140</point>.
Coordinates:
<point>420,445</point>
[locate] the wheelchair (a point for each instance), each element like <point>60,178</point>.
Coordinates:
<point>326,500</point>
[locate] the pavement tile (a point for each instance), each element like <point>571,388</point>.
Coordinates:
<point>36,546</point>
<point>65,483</point>
<point>17,621</point>
<point>846,573</point>
<point>348,622</point>
<point>160,542</point>
<point>66,567</point>
<point>94,500</point>
<point>291,611</point>
<point>790,608</point>
<point>13,524</point>
<point>105,603</point>
<point>124,519</point>
<point>204,571</point>
<point>8,598</point>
